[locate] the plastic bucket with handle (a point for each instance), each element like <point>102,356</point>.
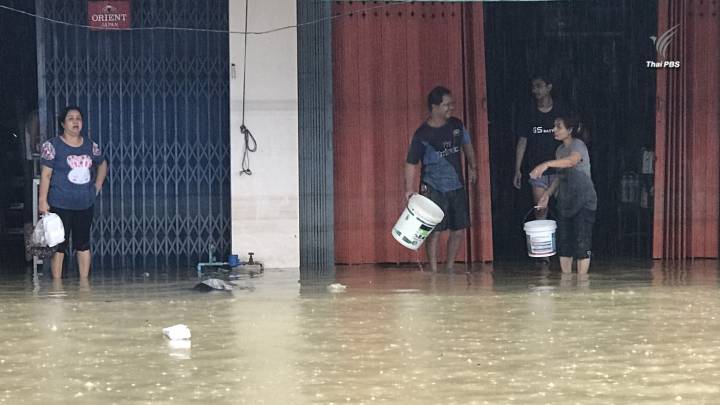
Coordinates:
<point>419,218</point>
<point>541,237</point>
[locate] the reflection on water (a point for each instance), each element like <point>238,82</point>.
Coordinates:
<point>627,333</point>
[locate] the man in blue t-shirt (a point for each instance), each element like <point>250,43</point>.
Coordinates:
<point>437,145</point>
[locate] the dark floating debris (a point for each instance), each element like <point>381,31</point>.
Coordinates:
<point>213,284</point>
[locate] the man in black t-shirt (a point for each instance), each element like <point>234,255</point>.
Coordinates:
<point>536,140</point>
<point>437,144</point>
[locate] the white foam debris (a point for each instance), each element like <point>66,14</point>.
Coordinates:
<point>177,332</point>
<point>336,288</point>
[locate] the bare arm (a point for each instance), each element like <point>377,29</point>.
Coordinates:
<point>472,165</point>
<point>410,170</point>
<point>570,161</point>
<point>520,152</point>
<point>101,174</point>
<point>45,175</point>
<point>545,199</point>
<point>519,155</point>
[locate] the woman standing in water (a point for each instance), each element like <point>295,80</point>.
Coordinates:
<point>576,197</point>
<point>73,172</point>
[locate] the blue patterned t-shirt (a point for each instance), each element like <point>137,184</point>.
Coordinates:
<point>439,149</point>
<point>72,185</point>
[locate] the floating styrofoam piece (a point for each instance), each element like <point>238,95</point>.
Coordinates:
<point>336,288</point>
<point>177,332</point>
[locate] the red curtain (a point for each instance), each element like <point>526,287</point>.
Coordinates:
<point>386,58</point>
<point>687,169</point>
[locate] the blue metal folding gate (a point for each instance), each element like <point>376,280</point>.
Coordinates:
<point>157,102</point>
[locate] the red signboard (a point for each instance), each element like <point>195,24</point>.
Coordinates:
<point>109,14</point>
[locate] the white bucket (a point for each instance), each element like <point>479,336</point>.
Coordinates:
<point>419,218</point>
<point>540,237</point>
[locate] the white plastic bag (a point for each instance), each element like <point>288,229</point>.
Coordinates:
<point>36,243</point>
<point>54,230</point>
<point>38,235</point>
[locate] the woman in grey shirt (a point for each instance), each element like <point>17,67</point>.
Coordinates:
<point>576,197</point>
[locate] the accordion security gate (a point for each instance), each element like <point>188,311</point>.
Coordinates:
<point>157,102</point>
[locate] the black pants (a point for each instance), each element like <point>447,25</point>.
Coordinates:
<point>574,234</point>
<point>76,223</point>
<point>453,203</point>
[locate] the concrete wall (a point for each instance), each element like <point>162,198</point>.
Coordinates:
<point>265,217</point>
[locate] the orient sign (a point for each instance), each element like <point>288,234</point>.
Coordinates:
<point>109,14</point>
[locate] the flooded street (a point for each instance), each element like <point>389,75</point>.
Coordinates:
<point>509,334</point>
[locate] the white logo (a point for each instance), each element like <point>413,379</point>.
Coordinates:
<point>661,46</point>
<point>79,169</point>
<point>662,43</point>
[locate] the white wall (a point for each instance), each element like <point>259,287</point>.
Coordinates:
<point>265,211</point>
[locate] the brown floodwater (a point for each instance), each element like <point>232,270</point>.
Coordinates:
<point>645,333</point>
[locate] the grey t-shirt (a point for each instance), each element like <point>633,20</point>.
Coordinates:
<point>576,189</point>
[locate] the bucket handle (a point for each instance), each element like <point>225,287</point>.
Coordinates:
<point>407,200</point>
<point>532,209</point>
